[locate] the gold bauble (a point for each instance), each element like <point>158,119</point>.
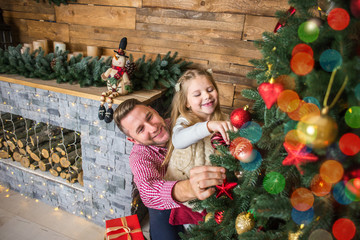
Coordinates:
<point>209,216</point>
<point>294,236</point>
<point>317,131</point>
<point>244,222</point>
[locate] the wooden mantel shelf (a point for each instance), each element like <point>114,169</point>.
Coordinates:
<point>94,93</point>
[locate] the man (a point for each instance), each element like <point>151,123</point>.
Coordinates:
<point>150,133</point>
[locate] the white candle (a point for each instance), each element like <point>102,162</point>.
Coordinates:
<point>60,45</point>
<point>93,51</point>
<point>37,45</point>
<point>70,55</point>
<point>25,46</point>
<point>46,45</point>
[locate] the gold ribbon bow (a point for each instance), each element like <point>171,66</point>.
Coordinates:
<point>127,230</point>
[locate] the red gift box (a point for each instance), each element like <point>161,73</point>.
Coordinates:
<point>125,228</point>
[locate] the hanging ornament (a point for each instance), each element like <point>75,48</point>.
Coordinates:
<point>241,149</point>
<point>297,155</point>
<point>344,229</point>
<point>294,236</point>
<point>317,131</point>
<point>225,188</point>
<point>349,144</point>
<point>219,216</point>
<point>338,19</point>
<point>282,22</point>
<point>320,234</point>
<point>330,60</point>
<point>209,216</point>
<point>302,63</point>
<point>217,140</point>
<point>352,117</point>
<point>239,174</point>
<point>240,116</point>
<point>302,47</point>
<point>269,91</point>
<point>274,182</point>
<point>244,222</point>
<point>355,8</point>
<point>309,31</point>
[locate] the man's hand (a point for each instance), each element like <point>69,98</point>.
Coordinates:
<point>200,185</point>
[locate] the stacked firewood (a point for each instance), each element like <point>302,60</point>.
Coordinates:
<point>41,146</point>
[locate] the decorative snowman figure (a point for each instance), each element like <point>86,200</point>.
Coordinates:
<point>118,82</point>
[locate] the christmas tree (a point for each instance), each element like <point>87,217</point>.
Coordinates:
<point>293,171</point>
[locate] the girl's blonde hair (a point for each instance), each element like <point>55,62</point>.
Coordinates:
<point>179,102</point>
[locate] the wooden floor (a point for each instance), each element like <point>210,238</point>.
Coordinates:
<point>23,218</point>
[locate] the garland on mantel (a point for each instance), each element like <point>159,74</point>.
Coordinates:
<point>58,2</point>
<point>163,72</point>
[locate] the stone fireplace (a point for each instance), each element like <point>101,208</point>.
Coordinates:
<point>107,179</point>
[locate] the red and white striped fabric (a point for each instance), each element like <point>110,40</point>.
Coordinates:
<point>145,163</point>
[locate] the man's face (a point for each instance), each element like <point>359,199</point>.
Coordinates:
<point>144,125</point>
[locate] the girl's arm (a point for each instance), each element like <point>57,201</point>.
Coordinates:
<point>183,137</point>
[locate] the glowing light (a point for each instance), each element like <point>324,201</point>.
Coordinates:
<point>302,199</point>
<point>344,229</point>
<point>7,195</point>
<point>331,171</point>
<point>111,211</point>
<point>56,209</point>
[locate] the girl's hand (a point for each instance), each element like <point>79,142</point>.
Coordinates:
<point>222,127</point>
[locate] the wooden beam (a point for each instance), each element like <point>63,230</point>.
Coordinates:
<point>267,8</point>
<point>48,30</point>
<point>101,16</point>
<point>256,25</point>
<point>122,3</point>
<point>226,93</point>
<point>27,15</point>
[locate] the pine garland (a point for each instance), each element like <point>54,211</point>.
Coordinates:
<point>163,72</point>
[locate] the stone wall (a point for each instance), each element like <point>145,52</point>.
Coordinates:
<point>106,193</point>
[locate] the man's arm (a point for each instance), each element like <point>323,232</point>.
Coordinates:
<point>200,185</point>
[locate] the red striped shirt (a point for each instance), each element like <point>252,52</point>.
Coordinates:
<point>145,163</point>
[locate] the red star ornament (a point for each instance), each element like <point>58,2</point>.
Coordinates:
<point>297,155</point>
<point>225,188</point>
<point>270,92</point>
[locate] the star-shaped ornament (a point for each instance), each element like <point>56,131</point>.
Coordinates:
<point>298,155</point>
<point>225,188</point>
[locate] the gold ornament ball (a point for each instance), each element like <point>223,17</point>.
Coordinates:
<point>294,236</point>
<point>209,216</point>
<point>317,131</point>
<point>244,222</point>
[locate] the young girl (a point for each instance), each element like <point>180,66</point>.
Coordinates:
<point>195,116</point>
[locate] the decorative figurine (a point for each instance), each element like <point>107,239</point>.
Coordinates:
<point>118,82</point>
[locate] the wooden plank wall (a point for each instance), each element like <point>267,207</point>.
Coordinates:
<point>215,33</point>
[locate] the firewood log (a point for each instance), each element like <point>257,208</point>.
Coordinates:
<point>26,161</point>
<point>44,165</point>
<point>55,156</point>
<point>34,165</point>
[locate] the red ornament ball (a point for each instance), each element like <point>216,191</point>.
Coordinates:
<point>241,149</point>
<point>217,140</point>
<point>240,116</point>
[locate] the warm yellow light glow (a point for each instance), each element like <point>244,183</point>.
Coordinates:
<point>7,195</point>
<point>56,209</point>
<point>111,211</point>
<point>310,130</point>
